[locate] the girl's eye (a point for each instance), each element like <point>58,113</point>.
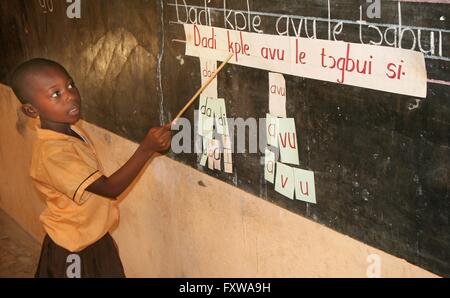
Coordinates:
<point>55,94</point>
<point>72,85</point>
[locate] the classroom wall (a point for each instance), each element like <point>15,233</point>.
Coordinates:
<point>179,222</point>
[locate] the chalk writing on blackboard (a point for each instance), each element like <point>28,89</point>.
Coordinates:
<point>46,5</point>
<point>393,35</point>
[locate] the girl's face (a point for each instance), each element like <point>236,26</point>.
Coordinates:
<point>55,96</point>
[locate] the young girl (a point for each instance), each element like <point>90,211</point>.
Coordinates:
<point>66,171</point>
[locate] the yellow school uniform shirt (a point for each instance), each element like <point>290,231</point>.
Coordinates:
<point>62,168</point>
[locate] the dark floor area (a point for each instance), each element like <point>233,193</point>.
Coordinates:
<point>19,252</point>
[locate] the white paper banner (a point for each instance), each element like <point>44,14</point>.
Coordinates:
<point>375,67</point>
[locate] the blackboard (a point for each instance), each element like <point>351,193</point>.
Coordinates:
<point>380,159</point>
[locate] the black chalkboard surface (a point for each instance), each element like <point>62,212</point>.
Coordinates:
<point>380,159</point>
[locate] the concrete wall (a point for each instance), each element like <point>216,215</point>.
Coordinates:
<point>179,222</point>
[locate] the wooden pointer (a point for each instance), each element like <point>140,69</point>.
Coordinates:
<point>202,88</point>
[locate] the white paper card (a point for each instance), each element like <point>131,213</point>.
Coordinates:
<point>220,116</point>
<point>207,68</point>
<point>305,189</point>
<point>269,166</point>
<point>272,130</point>
<point>207,117</point>
<point>284,183</point>
<point>287,140</point>
<point>228,161</point>
<point>201,114</point>
<point>227,154</point>
<point>205,152</point>
<point>215,155</point>
<point>277,95</point>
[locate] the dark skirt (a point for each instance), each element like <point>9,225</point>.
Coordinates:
<point>101,259</point>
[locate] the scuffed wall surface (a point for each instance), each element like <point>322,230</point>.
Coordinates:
<point>178,222</point>
<point>17,195</point>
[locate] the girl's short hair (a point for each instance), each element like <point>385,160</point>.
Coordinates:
<point>18,78</point>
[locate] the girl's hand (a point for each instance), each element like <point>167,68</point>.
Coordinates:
<point>158,139</point>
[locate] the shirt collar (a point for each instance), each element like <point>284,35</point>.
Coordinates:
<point>48,134</point>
